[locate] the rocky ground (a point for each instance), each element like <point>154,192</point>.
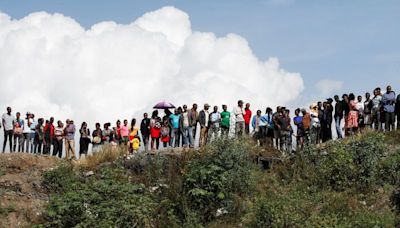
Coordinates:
<point>21,194</point>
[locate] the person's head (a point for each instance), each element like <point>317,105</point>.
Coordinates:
<point>352,97</point>
<point>28,115</point>
<point>303,111</point>
<point>154,114</point>
<point>84,125</point>
<point>268,110</point>
<point>194,106</point>
<point>125,122</point>
<point>258,112</point>
<point>325,104</point>
<point>184,108</point>
<point>224,107</point>
<point>59,123</point>
<point>378,90</point>
<point>283,110</point>
<point>278,109</point>
<point>388,89</point>
<point>9,110</point>
<point>133,122</point>
<point>206,106</point>
<point>215,108</point>
<point>345,98</point>
<point>51,120</point>
<point>240,103</point>
<point>97,126</point>
<point>176,111</point>
<point>359,98</point>
<point>145,115</point>
<point>329,100</point>
<point>247,105</point>
<point>319,104</point>
<point>118,123</point>
<point>367,95</point>
<point>71,122</point>
<point>40,121</point>
<point>287,112</point>
<point>32,115</point>
<point>297,112</point>
<point>314,107</point>
<point>105,126</point>
<point>18,115</point>
<point>336,97</point>
<point>180,110</point>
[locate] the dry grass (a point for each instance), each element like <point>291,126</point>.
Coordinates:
<point>106,154</point>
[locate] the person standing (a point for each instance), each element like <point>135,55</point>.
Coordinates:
<point>48,135</point>
<point>175,126</point>
<point>39,136</point>
<point>225,121</point>
<point>33,132</point>
<point>58,142</point>
<point>186,124</point>
<point>338,116</point>
<point>352,118</point>
<point>388,101</point>
<point>285,129</point>
<point>329,117</point>
<point>155,130</point>
<point>204,117</point>
<point>376,109</point>
<point>145,131</point>
<point>124,133</point>
<point>269,123</point>
<point>214,125</point>
<point>298,121</point>
<point>247,117</point>
<point>255,123</point>
<point>8,120</point>
<point>275,118</point>
<point>84,140</point>
<point>27,133</point>
<point>97,135</point>
<point>361,117</point>
<point>107,134</point>
<point>306,126</point>
<point>368,111</point>
<point>133,132</point>
<point>239,113</point>
<point>117,133</point>
<point>194,116</point>
<point>315,124</point>
<point>398,111</point>
<point>69,132</point>
<point>18,133</point>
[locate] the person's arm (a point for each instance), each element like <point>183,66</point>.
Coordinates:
<point>253,122</point>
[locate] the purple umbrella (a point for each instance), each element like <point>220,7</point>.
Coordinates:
<point>163,105</point>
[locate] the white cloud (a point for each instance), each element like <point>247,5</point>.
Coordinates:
<point>327,87</point>
<point>51,65</point>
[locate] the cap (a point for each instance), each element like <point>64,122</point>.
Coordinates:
<point>206,105</point>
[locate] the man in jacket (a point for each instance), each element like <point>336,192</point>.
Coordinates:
<point>388,102</point>
<point>338,116</point>
<point>48,136</point>
<point>204,117</point>
<point>194,116</point>
<point>145,130</point>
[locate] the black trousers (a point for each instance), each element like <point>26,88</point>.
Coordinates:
<point>8,135</point>
<point>57,147</point>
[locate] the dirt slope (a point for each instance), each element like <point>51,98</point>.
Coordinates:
<point>21,194</point>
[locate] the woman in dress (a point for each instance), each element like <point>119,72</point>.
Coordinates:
<point>352,118</point>
<point>84,140</point>
<point>155,128</point>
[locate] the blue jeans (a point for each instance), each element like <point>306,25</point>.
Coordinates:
<point>338,121</point>
<point>187,136</point>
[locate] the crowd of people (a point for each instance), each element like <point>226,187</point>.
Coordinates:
<point>179,128</point>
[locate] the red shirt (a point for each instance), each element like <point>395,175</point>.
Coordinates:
<point>51,130</point>
<point>247,116</point>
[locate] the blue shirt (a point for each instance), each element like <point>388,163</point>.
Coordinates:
<point>174,120</point>
<point>388,101</point>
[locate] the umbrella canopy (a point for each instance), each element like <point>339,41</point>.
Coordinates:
<point>163,105</point>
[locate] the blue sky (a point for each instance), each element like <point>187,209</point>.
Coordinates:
<point>356,42</point>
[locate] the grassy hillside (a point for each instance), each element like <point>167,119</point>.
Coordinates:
<point>349,183</point>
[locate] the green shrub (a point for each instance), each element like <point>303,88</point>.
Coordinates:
<point>390,169</point>
<point>101,203</point>
<point>59,179</point>
<point>212,179</point>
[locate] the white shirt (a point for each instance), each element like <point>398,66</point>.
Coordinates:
<point>376,101</point>
<point>185,119</point>
<point>360,107</point>
<point>239,112</point>
<point>27,125</point>
<point>8,122</point>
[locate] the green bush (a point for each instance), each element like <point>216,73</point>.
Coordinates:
<point>214,178</point>
<point>59,179</point>
<point>390,169</point>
